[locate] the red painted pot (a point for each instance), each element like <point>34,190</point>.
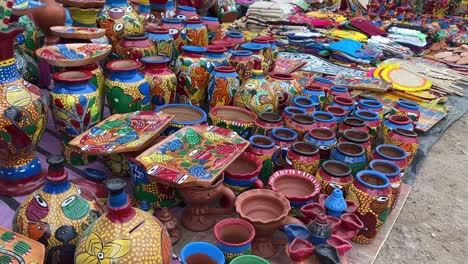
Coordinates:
<point>243,62</point>
<point>347,103</point>
<point>214,28</point>
<point>334,174</point>
<point>264,148</point>
<point>290,111</point>
<point>267,121</point>
<point>392,153</point>
<point>243,173</point>
<point>372,120</point>
<point>303,156</point>
<point>359,137</point>
<point>393,173</point>
<point>352,123</point>
<point>196,32</point>
<point>405,139</point>
<point>225,43</point>
<point>235,37</point>
<point>135,46</point>
<point>234,237</point>
<point>339,113</point>
<point>301,124</point>
<point>305,103</point>
<point>285,86</point>
<point>407,108</point>
<point>324,119</point>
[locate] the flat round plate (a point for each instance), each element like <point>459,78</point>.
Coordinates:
<point>78,32</point>
<point>73,55</point>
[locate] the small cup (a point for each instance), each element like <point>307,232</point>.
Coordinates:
<point>234,237</point>
<point>201,252</point>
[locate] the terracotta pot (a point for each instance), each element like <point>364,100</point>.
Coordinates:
<point>134,46</point>
<point>224,84</point>
<point>184,115</point>
<point>352,123</point>
<point>214,28</point>
<point>225,43</point>
<point>393,173</point>
<point>337,91</point>
<point>235,37</point>
<point>201,252</point>
<point>226,10</point>
<point>324,139</point>
<point>234,118</point>
<point>199,215</point>
<point>305,103</point>
<point>257,53</point>
<point>393,154</point>
<point>299,187</point>
<point>234,237</point>
<point>267,51</point>
<point>161,79</point>
<point>216,57</point>
<point>359,137</point>
<point>317,94</point>
<point>285,86</point>
<point>267,121</point>
<point>196,32</point>
<point>301,124</point>
<point>324,119</point>
<point>176,29</point>
<point>44,21</point>
<point>289,111</point>
<point>405,139</point>
<point>303,156</point>
<point>267,211</point>
<point>352,154</point>
<point>407,108</point>
<point>372,120</point>
<point>334,174</point>
<point>264,148</point>
<point>371,105</point>
<point>337,111</point>
<point>243,173</point>
<point>344,102</point>
<point>243,62</point>
<point>284,138</point>
<point>162,41</point>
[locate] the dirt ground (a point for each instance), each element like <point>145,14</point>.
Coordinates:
<point>433,225</point>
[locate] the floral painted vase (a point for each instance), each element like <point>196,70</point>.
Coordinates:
<point>301,124</point>
<point>352,123</point>
<point>359,137</point>
<point>243,62</point>
<point>324,119</point>
<point>407,108</point>
<point>233,118</point>
<point>235,37</point>
<point>391,153</point>
<point>214,28</point>
<point>134,46</point>
<point>24,117</point>
<point>372,120</point>
<point>344,102</point>
<point>352,154</point>
<point>234,237</point>
<point>264,148</point>
<point>289,111</point>
<point>184,115</point>
<point>392,172</point>
<point>405,139</point>
<point>226,10</point>
<point>317,94</point>
<point>339,113</point>
<point>127,89</point>
<point>177,30</point>
<point>397,121</point>
<point>163,42</point>
<point>75,106</point>
<point>371,105</point>
<point>285,86</point>
<point>324,138</point>
<point>224,84</point>
<point>216,56</point>
<point>257,53</point>
<point>243,173</point>
<point>303,156</point>
<point>192,75</point>
<point>305,103</point>
<point>196,32</point>
<point>372,192</point>
<point>284,138</point>
<point>334,174</point>
<point>161,79</point>
<point>267,121</point>
<point>58,214</point>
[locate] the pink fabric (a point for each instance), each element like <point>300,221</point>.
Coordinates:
<point>300,18</point>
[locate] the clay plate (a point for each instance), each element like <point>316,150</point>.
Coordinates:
<point>73,55</point>
<point>84,3</point>
<point>20,248</point>
<point>77,32</point>
<point>25,7</point>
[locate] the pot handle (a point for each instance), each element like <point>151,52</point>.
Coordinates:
<point>258,184</point>
<point>227,201</point>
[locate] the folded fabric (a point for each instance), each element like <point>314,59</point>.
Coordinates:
<point>355,49</point>
<point>411,40</point>
<point>367,27</point>
<point>301,18</point>
<point>348,34</point>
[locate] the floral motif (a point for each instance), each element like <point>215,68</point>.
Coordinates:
<point>96,252</point>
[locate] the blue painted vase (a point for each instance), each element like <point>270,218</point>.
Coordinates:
<point>371,105</point>
<point>163,42</point>
<point>306,103</point>
<point>224,84</point>
<point>317,94</point>
<point>352,154</point>
<point>344,102</point>
<point>184,115</point>
<point>201,248</point>
<point>234,237</point>
<point>284,138</point>
<point>324,119</point>
<point>335,203</point>
<point>324,138</point>
<point>216,57</point>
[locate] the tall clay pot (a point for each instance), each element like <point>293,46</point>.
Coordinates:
<point>24,117</point>
<point>407,108</point>
<point>267,51</point>
<point>243,62</point>
<point>352,154</point>
<point>163,42</point>
<point>257,53</point>
<point>405,139</point>
<point>216,56</point>
<point>197,33</point>
<point>235,37</point>
<point>324,138</point>
<point>44,20</point>
<point>285,86</point>
<point>372,120</point>
<point>303,156</point>
<point>371,105</point>
<point>226,10</point>
<point>224,84</point>
<point>135,46</point>
<point>177,30</point>
<point>393,173</point>
<point>334,174</point>
<point>301,124</point>
<point>359,137</point>
<point>267,121</point>
<point>214,28</point>
<point>397,121</point>
<point>162,80</point>
<point>316,93</point>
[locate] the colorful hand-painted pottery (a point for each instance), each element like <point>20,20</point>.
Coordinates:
<point>224,84</point>
<point>334,174</point>
<point>17,248</point>
<point>267,121</point>
<point>226,10</point>
<point>93,182</point>
<point>305,103</point>
<point>75,106</point>
<point>391,153</point>
<point>289,111</point>
<point>235,37</point>
<point>339,113</point>
<point>158,8</point>
<point>257,53</point>
<point>393,173</point>
<point>162,80</point>
<point>225,43</point>
<point>316,93</point>
<point>234,237</point>
<point>58,214</point>
<point>303,156</point>
<point>284,138</point>
<point>192,75</point>
<point>214,28</point>
<point>337,91</point>
<point>286,87</point>
<point>134,46</point>
<point>372,120</point>
<point>216,56</point>
<point>233,118</point>
<point>249,259</point>
<point>196,32</point>
<point>324,138</point>
<point>352,123</point>
<point>264,148</point>
<point>371,105</point>
<point>184,115</point>
<point>352,154</point>
<point>243,173</point>
<point>324,119</point>
<point>335,203</point>
<point>397,121</point>
<point>405,139</point>
<point>127,89</point>
<point>163,42</point>
<point>301,124</point>
<point>177,30</point>
<point>120,235</point>
<point>243,61</point>
<point>201,252</point>
<point>267,51</point>
<point>372,192</point>
<point>359,137</point>
<point>24,117</point>
<point>84,17</point>
<point>184,11</point>
<point>323,83</point>
<point>320,230</point>
<point>344,102</point>
<point>407,108</point>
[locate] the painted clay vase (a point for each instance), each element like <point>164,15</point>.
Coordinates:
<point>397,121</point>
<point>216,57</point>
<point>243,62</point>
<point>267,121</point>
<point>163,42</point>
<point>84,17</point>
<point>344,102</point>
<point>196,32</point>
<point>127,89</point>
<point>243,173</point>
<point>26,44</point>
<point>371,105</point>
<point>201,252</point>
<point>303,156</point>
<point>226,10</point>
<point>161,79</point>
<point>234,237</point>
<point>17,248</point>
<point>324,138</point>
<point>177,30</point>
<point>289,111</point>
<point>119,18</point>
<point>267,51</point>
<point>320,230</point>
<point>233,118</point>
<point>392,153</point>
<point>324,119</point>
<point>301,124</point>
<point>134,46</point>
<point>192,75</point>
<point>284,138</point>
<point>257,54</point>
<point>45,21</point>
<point>285,86</point>
<point>372,192</point>
<point>58,214</point>
<point>24,117</point>
<point>119,230</point>
<point>352,154</point>
<point>352,123</point>
<point>93,182</point>
<point>316,93</point>
<point>359,137</point>
<point>157,8</point>
<point>224,84</point>
<point>249,259</point>
<point>392,172</point>
<point>235,37</point>
<point>264,148</point>
<point>184,115</point>
<point>225,43</point>
<point>405,139</point>
<point>305,103</point>
<point>214,28</point>
<point>334,174</point>
<point>75,106</point>
<point>267,211</point>
<point>200,215</point>
<point>337,91</point>
<point>372,120</point>
<point>323,83</point>
<point>407,108</point>
<point>339,113</point>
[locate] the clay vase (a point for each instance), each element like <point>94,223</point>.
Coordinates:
<point>177,30</point>
<point>225,43</point>
<point>201,252</point>
<point>199,215</point>
<point>339,113</point>
<point>233,118</point>
<point>216,57</point>
<point>267,211</point>
<point>243,173</point>
<point>127,89</point>
<point>405,139</point>
<point>284,138</point>
<point>134,46</point>
<point>344,102</point>
<point>196,32</point>
<point>257,54</point>
<point>163,42</point>
<point>407,108</point>
<point>226,10</point>
<point>267,121</point>
<point>243,62</point>
<point>44,21</point>
<point>359,137</point>
<point>214,28</point>
<point>397,121</point>
<point>58,214</point>
<point>289,111</point>
<point>24,118</point>
<point>235,37</point>
<point>301,124</point>
<point>124,230</point>
<point>161,79</point>
<point>372,120</point>
<point>393,154</point>
<point>371,191</point>
<point>305,103</point>
<point>352,123</point>
<point>93,182</point>
<point>192,75</point>
<point>324,119</point>
<point>224,84</point>
<point>337,91</point>
<point>316,93</point>
<point>352,154</point>
<point>371,105</point>
<point>392,172</point>
<point>324,139</point>
<point>303,156</point>
<point>264,148</point>
<point>249,259</point>
<point>75,106</point>
<point>234,237</point>
<point>267,51</point>
<point>184,115</point>
<point>334,174</point>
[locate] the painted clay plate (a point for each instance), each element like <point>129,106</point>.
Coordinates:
<point>18,249</point>
<point>84,3</point>
<point>78,32</point>
<point>193,156</point>
<point>122,133</point>
<point>73,55</point>
<point>22,7</point>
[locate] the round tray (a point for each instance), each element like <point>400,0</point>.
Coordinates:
<point>78,32</point>
<point>73,55</point>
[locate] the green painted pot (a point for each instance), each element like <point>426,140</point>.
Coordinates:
<point>249,259</point>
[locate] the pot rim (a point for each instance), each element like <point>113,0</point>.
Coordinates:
<point>303,122</point>
<point>234,34</point>
<point>396,172</point>
<point>338,88</point>
<point>330,115</point>
<point>135,65</point>
<point>277,118</point>
<point>323,80</point>
<point>341,175</point>
<point>393,119</point>
<point>226,43</point>
<point>332,134</point>
<point>194,49</point>
<point>344,100</point>
<point>359,113</point>
<point>352,140</point>
<point>269,146</point>
<point>347,121</point>
<point>85,76</point>
<point>190,107</point>
<point>187,8</point>
<point>288,109</point>
<point>406,132</point>
<point>241,53</point>
<point>156,59</point>
<point>372,173</point>
<point>208,18</point>
<point>248,175</point>
<point>274,133</point>
<point>342,113</point>
<point>171,20</point>
<point>225,69</point>
<point>237,221</point>
<point>408,104</point>
<point>199,245</point>
<point>261,40</point>
<point>341,144</point>
<point>263,193</point>
<point>214,112</point>
<point>371,103</point>
<point>251,46</point>
<point>135,36</point>
<point>310,104</point>
<point>215,48</point>
<point>314,88</point>
<point>294,147</point>
<point>296,174</point>
<point>158,30</point>
<point>403,156</point>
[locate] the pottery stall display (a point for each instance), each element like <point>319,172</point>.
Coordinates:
<point>163,42</point>
<point>233,118</point>
<point>393,173</point>
<point>73,55</point>
<point>184,115</point>
<point>243,173</point>
<point>344,102</point>
<point>289,111</point>
<point>234,237</point>
<point>405,139</point>
<point>352,154</point>
<point>44,21</point>
<point>257,54</point>
<point>267,121</point>
<point>303,156</point>
<point>196,32</point>
<point>334,174</point>
<point>352,123</point>
<point>161,79</point>
<point>397,121</point>
<point>158,8</point>
<point>224,84</point>
<point>84,17</point>
<point>134,46</point>
<point>316,93</point>
<point>201,252</point>
<point>393,154</point>
<point>324,139</point>
<point>336,91</point>
<point>264,148</point>
<point>267,52</point>
<point>371,105</point>
<point>214,28</point>
<point>324,119</point>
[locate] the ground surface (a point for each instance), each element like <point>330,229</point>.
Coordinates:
<point>433,225</point>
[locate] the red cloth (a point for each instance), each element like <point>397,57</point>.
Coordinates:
<point>366,27</point>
